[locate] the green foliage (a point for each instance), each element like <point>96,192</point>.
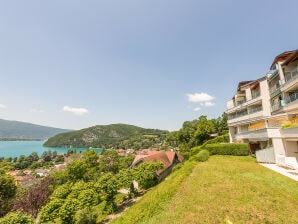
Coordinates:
<point>108,186</point>
<point>157,199</point>
<point>50,211</point>
<point>109,162</point>
<point>194,133</point>
<point>17,218</point>
<point>125,161</point>
<point>110,136</point>
<point>76,170</point>
<point>235,149</point>
<point>68,210</point>
<point>86,216</point>
<point>90,157</point>
<point>7,192</point>
<point>145,175</point>
<point>196,150</point>
<point>219,139</point>
<point>202,156</point>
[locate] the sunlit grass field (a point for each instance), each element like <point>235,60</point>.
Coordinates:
<point>223,189</point>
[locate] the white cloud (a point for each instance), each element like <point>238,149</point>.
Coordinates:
<point>33,110</point>
<point>2,106</point>
<point>75,111</point>
<point>204,100</point>
<point>199,97</point>
<point>209,104</point>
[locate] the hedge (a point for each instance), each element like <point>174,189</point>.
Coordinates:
<point>219,139</point>
<point>235,149</point>
<point>202,156</point>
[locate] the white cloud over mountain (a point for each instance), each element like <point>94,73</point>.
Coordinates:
<point>204,99</point>
<point>75,111</point>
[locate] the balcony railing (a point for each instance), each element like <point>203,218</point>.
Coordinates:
<point>291,98</point>
<point>241,114</point>
<point>256,94</point>
<point>277,105</point>
<point>291,75</point>
<point>275,90</point>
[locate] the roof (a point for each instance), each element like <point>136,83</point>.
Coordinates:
<point>293,57</point>
<point>167,158</point>
<point>281,57</point>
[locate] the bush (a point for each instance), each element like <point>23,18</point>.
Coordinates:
<point>196,150</point>
<point>17,218</point>
<point>235,149</point>
<point>218,139</point>
<point>202,156</point>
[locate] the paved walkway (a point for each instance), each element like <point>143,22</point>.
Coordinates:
<point>293,174</point>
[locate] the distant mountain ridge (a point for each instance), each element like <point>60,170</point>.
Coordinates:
<point>17,130</point>
<point>110,136</point>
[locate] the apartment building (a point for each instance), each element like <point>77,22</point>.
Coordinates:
<point>264,112</point>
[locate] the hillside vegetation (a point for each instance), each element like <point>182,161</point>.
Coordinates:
<point>225,189</point>
<point>110,136</point>
<point>15,130</point>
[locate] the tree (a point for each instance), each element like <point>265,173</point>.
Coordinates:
<point>109,162</point>
<point>17,218</point>
<point>204,128</point>
<point>90,157</point>
<point>108,186</point>
<point>76,170</point>
<point>33,198</point>
<point>32,157</point>
<point>145,174</point>
<point>7,192</point>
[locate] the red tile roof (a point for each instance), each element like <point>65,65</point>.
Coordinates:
<point>167,158</point>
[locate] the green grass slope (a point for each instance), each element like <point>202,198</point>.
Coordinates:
<point>225,188</point>
<point>107,136</point>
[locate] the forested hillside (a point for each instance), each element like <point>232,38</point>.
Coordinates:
<point>14,130</point>
<point>110,136</point>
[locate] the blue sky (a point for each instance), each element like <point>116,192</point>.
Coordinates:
<point>151,63</point>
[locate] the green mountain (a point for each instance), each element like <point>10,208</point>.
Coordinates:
<point>110,136</point>
<point>16,130</point>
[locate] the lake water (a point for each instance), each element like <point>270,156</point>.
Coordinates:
<point>17,148</point>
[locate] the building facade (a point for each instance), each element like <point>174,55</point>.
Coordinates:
<point>264,112</point>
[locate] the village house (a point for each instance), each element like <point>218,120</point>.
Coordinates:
<point>168,159</point>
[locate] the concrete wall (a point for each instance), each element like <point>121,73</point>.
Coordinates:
<point>291,148</point>
<point>278,146</point>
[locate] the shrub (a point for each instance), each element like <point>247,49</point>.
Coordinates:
<point>202,156</point>
<point>235,149</point>
<point>17,218</point>
<point>196,150</point>
<point>218,139</point>
<point>177,167</point>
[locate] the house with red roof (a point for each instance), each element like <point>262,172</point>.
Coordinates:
<point>169,160</point>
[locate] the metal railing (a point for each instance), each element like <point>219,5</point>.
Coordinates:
<point>291,98</point>
<point>244,113</point>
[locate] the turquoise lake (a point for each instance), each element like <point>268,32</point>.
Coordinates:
<point>17,148</point>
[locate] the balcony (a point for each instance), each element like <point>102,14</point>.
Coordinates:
<point>250,115</point>
<point>256,97</point>
<point>291,102</point>
<point>291,81</point>
<point>277,106</point>
<point>255,94</point>
<point>275,90</point>
<point>256,135</point>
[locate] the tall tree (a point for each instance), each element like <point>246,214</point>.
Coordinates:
<point>7,193</point>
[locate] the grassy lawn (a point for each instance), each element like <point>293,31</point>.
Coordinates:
<point>223,188</point>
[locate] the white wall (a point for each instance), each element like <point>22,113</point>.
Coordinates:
<point>278,146</point>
